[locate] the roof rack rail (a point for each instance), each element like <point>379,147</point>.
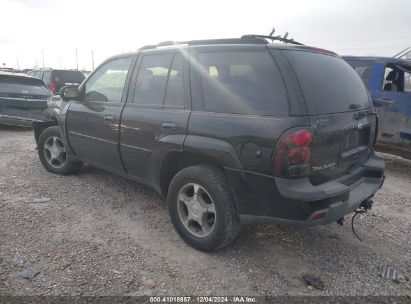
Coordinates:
<point>273,38</point>
<point>242,40</point>
<point>246,39</point>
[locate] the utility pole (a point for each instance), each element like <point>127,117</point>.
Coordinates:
<point>17,58</point>
<point>42,54</point>
<point>76,60</point>
<point>92,59</point>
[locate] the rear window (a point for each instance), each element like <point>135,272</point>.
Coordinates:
<point>329,84</point>
<point>363,68</point>
<point>22,85</point>
<point>242,83</point>
<point>68,76</point>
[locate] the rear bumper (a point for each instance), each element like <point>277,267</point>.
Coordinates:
<point>263,199</point>
<point>18,117</point>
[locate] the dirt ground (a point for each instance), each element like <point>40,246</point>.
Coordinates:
<point>104,235</point>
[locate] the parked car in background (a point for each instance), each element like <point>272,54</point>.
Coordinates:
<point>22,99</point>
<point>232,131</point>
<point>56,79</point>
<point>389,82</point>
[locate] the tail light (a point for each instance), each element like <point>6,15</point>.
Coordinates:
<point>52,86</point>
<point>293,154</point>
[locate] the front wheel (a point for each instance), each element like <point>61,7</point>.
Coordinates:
<point>53,155</point>
<point>201,208</point>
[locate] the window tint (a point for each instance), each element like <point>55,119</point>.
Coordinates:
<point>363,68</point>
<point>328,83</point>
<point>152,79</point>
<point>68,76</point>
<point>47,76</point>
<point>242,83</point>
<point>11,84</point>
<point>407,82</point>
<point>107,83</point>
<point>175,90</point>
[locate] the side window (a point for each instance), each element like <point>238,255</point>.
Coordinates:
<point>175,84</point>
<point>47,77</point>
<point>152,79</point>
<point>363,68</point>
<point>242,83</point>
<point>407,81</point>
<point>107,83</point>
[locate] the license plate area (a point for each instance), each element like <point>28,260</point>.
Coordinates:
<point>356,138</point>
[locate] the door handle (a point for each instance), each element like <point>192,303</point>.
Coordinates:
<point>109,118</point>
<point>386,102</point>
<point>169,126</point>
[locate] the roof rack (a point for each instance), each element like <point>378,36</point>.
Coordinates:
<point>273,38</point>
<point>246,39</point>
<point>242,40</point>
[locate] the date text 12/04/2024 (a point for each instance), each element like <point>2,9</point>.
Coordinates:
<point>203,299</point>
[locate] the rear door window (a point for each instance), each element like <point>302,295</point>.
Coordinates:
<point>329,84</point>
<point>242,82</point>
<point>152,79</point>
<point>175,84</point>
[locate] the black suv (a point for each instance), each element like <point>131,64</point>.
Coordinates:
<point>232,131</point>
<point>56,79</point>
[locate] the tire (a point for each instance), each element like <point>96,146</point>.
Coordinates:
<point>221,224</point>
<point>53,155</point>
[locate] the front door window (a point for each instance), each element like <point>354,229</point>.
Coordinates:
<point>107,83</point>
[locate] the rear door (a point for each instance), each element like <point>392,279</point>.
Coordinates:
<point>154,120</point>
<point>92,123</point>
<point>340,111</point>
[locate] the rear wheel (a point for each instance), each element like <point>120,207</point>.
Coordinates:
<point>53,155</point>
<point>202,209</point>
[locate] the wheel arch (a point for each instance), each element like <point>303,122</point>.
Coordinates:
<point>40,126</point>
<point>197,151</point>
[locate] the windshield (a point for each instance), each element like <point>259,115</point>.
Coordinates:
<point>329,84</point>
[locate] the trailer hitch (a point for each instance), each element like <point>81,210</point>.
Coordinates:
<point>364,207</point>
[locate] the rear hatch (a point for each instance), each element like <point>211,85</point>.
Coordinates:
<point>23,92</point>
<point>340,112</point>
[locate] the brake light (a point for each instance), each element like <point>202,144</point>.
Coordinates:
<point>293,154</point>
<point>52,86</point>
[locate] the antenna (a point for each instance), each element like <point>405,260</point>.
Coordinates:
<point>283,38</point>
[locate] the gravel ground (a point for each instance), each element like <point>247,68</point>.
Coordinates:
<point>101,234</point>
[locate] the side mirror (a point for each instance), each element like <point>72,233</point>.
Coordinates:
<point>69,92</point>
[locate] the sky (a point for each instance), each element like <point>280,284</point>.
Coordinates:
<point>56,28</point>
